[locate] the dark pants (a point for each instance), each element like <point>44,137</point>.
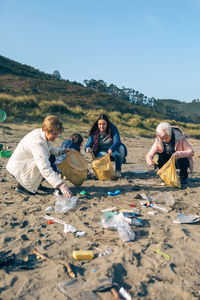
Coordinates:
<point>181,163</point>
<point>52,160</point>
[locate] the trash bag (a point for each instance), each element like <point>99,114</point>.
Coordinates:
<point>103,168</point>
<point>74,167</point>
<point>168,173</point>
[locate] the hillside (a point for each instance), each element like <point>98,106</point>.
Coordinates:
<point>178,110</point>
<point>28,95</point>
<point>21,80</point>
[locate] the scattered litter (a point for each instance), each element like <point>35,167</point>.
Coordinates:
<point>136,211</point>
<point>132,205</point>
<point>83,255</point>
<point>67,227</point>
<point>77,290</point>
<point>109,209</point>
<point>182,218</point>
<point>153,212</point>
<point>149,203</point>
<point>94,270</point>
<point>123,293</point>
<point>165,198</point>
<point>49,208</point>
<point>167,257</point>
<point>64,204</point>
<point>107,251</point>
<point>80,233</point>
<point>118,222</point>
<point>83,193</point>
<point>50,222</point>
<point>117,192</point>
<point>81,289</point>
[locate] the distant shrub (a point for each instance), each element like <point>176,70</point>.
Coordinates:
<point>54,107</point>
<point>136,122</point>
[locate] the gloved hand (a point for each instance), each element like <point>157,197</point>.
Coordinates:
<point>65,191</point>
<point>175,155</point>
<point>88,150</point>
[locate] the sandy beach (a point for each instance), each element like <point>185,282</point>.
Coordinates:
<point>133,265</point>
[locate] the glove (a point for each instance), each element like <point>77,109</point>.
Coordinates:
<point>65,191</point>
<point>88,150</point>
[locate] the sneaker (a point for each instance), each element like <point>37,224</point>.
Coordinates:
<point>183,180</point>
<point>118,173</point>
<point>44,189</point>
<point>22,190</point>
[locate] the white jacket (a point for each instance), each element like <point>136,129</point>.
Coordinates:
<point>30,163</point>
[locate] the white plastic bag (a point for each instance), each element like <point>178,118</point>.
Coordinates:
<point>64,204</point>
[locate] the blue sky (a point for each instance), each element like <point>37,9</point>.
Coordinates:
<point>152,46</point>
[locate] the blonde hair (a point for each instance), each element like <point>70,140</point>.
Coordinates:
<point>164,128</point>
<point>52,123</point>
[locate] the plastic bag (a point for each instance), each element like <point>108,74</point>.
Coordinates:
<point>74,167</point>
<point>165,198</point>
<point>77,289</point>
<point>183,219</point>
<point>64,204</point>
<point>103,168</point>
<point>118,222</point>
<point>168,173</point>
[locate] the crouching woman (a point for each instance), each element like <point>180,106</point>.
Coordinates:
<point>171,141</point>
<point>104,139</point>
<point>30,164</point>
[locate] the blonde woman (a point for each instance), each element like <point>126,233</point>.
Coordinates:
<point>30,164</point>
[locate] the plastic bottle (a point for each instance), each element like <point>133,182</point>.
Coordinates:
<point>159,207</point>
<point>123,293</point>
<point>107,251</point>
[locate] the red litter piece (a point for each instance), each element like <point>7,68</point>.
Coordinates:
<point>132,205</point>
<point>50,222</point>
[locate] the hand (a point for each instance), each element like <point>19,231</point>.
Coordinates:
<point>175,155</point>
<point>65,191</point>
<point>66,150</point>
<point>109,152</point>
<point>88,150</point>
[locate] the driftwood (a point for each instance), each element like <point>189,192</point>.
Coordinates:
<point>69,270</point>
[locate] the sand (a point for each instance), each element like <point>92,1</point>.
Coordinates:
<point>133,265</point>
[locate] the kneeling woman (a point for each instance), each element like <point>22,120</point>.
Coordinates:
<point>171,141</point>
<point>104,139</point>
<point>30,164</point>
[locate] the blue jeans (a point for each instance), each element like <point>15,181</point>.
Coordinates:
<point>117,156</point>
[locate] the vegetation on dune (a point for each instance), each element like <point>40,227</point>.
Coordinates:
<point>28,95</point>
<point>26,109</point>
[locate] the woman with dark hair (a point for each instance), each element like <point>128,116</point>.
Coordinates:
<point>104,139</point>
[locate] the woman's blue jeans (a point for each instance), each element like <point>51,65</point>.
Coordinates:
<point>117,156</point>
